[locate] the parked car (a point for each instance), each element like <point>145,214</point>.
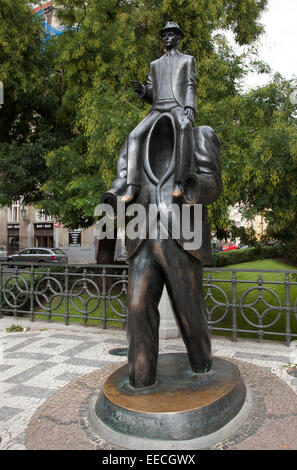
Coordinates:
<point>229,246</point>
<point>39,255</point>
<point>3,253</point>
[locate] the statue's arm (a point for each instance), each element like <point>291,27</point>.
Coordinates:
<point>145,92</point>
<point>191,84</point>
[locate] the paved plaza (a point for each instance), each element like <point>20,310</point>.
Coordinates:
<point>49,371</point>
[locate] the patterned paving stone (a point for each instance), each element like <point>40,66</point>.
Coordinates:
<point>51,345</point>
<point>28,391</point>
<point>69,337</point>
<point>4,367</point>
<point>28,355</point>
<point>80,348</point>
<point>31,372</point>
<point>21,345</point>
<point>7,412</point>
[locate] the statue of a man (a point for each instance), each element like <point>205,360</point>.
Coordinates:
<point>170,87</point>
<point>155,262</point>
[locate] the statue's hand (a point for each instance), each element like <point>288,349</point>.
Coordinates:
<point>137,86</point>
<point>189,112</point>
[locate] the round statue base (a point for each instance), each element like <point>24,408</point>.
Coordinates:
<point>183,410</point>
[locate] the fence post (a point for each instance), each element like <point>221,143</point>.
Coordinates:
<point>208,285</point>
<point>288,312</point>
<point>1,286</point>
<point>85,314</point>
<point>32,293</point>
<point>66,295</point>
<point>104,297</point>
<point>260,295</point>
<point>234,306</point>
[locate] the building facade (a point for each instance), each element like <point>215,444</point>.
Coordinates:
<point>258,223</point>
<point>47,13</point>
<point>25,227</point>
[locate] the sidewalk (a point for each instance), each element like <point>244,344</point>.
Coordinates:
<point>37,363</point>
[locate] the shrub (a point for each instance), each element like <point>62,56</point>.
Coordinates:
<point>14,328</point>
<point>246,254</point>
<point>290,251</point>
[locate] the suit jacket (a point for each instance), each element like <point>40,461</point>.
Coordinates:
<point>182,83</point>
<point>156,187</point>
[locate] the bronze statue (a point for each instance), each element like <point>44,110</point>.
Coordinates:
<point>170,87</point>
<point>166,159</point>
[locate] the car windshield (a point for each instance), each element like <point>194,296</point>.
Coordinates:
<point>57,251</point>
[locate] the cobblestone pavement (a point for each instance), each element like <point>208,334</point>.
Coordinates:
<point>49,359</point>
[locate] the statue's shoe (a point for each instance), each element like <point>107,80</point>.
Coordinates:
<point>131,193</point>
<point>177,192</point>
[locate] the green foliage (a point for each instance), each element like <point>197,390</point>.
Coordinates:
<point>14,328</point>
<point>69,104</point>
<point>243,255</point>
<point>290,251</point>
<point>29,124</point>
<point>247,236</point>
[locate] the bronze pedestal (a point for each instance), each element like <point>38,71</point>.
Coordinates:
<point>183,410</point>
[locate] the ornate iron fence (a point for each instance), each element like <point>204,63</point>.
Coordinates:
<point>83,293</point>
<point>252,302</point>
<point>238,301</point>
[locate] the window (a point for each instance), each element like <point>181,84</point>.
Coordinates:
<point>13,244</point>
<point>43,216</point>
<point>44,241</point>
<point>14,212</point>
<point>58,252</point>
<point>37,251</point>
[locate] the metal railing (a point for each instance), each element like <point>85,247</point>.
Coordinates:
<point>84,293</point>
<point>263,305</point>
<point>238,301</point>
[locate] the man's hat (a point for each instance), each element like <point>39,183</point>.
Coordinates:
<point>171,26</point>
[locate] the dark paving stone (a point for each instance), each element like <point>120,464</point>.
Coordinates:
<point>29,356</point>
<point>29,391</point>
<point>4,367</point>
<point>22,345</point>
<point>51,345</point>
<point>30,373</point>
<point>69,337</point>
<point>79,348</point>
<point>7,412</point>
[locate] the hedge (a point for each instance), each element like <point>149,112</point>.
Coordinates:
<point>224,258</point>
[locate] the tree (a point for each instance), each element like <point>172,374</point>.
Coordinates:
<point>114,43</point>
<point>260,165</point>
<point>29,126</point>
<point>82,107</point>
